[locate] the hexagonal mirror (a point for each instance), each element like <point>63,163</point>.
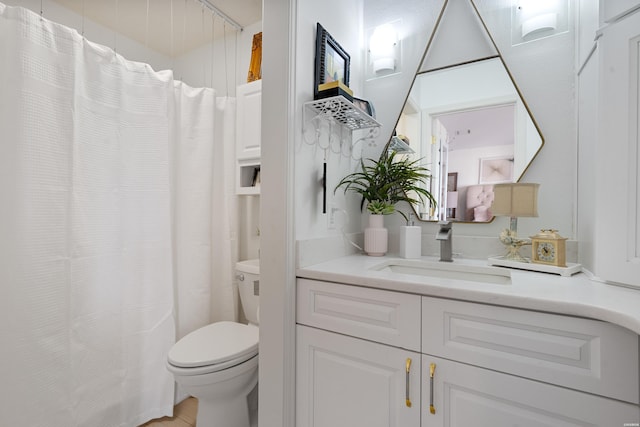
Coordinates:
<point>466,119</point>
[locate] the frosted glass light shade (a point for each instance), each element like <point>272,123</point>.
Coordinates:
<point>548,21</point>
<point>383,48</point>
<point>535,19</point>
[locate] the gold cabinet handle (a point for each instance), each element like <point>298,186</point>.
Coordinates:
<point>432,372</point>
<point>407,397</point>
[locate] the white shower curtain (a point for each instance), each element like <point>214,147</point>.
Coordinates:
<point>205,208</point>
<point>106,226</point>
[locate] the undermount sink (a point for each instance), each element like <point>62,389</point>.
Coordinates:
<point>440,270</point>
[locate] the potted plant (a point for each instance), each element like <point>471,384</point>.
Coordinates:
<point>382,184</point>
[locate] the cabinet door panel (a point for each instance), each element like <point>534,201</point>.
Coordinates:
<point>348,382</point>
<point>387,317</point>
<point>583,354</point>
<point>465,395</point>
<point>248,120</point>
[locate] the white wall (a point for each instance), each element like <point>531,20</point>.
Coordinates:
<point>196,69</point>
<point>587,12</point>
<point>346,28</point>
<point>277,257</point>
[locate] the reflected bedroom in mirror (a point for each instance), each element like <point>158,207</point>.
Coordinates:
<point>470,126</point>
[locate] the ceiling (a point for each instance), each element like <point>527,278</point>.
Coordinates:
<point>149,22</point>
<point>484,127</point>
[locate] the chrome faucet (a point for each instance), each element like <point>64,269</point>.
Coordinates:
<point>445,237</point>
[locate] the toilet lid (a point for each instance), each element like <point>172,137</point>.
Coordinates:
<point>215,343</point>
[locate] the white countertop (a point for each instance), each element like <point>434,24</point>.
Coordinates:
<point>576,295</point>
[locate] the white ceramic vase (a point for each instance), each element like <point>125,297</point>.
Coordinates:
<point>376,236</point>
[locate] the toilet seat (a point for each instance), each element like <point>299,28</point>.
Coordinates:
<point>218,369</point>
<point>214,347</point>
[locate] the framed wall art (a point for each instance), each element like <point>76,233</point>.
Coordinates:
<point>452,181</point>
<point>332,61</point>
<point>255,66</point>
<point>494,170</point>
<point>365,106</point>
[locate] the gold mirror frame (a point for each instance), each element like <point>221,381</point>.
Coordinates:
<point>438,186</point>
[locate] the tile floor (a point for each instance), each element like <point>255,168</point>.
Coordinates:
<point>185,412</point>
<point>184,415</point>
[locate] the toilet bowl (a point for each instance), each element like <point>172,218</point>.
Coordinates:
<point>218,363</point>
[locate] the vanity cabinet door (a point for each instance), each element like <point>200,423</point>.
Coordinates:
<point>349,382</point>
<point>464,395</point>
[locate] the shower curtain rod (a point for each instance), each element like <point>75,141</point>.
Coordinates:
<point>221,14</point>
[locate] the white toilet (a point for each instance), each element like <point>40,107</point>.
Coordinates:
<point>218,363</point>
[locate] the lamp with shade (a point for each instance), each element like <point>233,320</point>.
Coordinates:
<point>515,200</point>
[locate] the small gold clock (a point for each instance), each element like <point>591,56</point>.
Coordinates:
<point>548,247</point>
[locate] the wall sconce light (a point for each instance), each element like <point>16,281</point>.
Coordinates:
<point>384,50</point>
<point>534,19</point>
<point>538,15</point>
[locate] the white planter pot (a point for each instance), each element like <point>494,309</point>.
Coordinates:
<point>376,236</point>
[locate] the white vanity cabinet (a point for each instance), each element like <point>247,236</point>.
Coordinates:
<point>351,382</point>
<point>470,363</point>
<point>347,374</point>
<point>466,395</point>
<point>517,367</point>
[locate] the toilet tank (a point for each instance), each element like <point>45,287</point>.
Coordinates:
<point>248,275</point>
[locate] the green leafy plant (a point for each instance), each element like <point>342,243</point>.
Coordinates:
<point>387,181</point>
